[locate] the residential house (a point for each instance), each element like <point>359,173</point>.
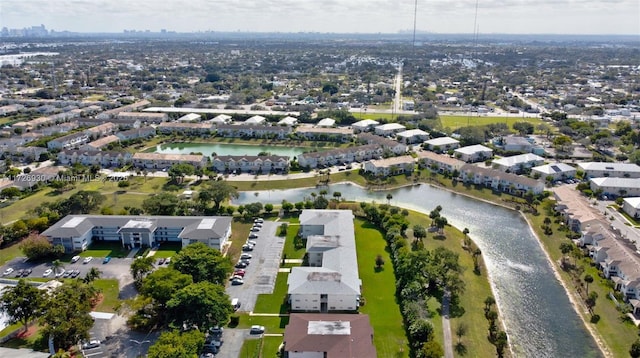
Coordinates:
<point>253,131</point>
<point>135,133</point>
<point>77,232</point>
<point>98,144</point>
<point>331,282</point>
<point>325,134</point>
<point>221,119</point>
<point>365,125</point>
<point>326,122</point>
<point>288,121</point>
<point>329,336</point>
<point>518,163</point>
<point>499,180</point>
<point>340,156</point>
<point>517,144</point>
<point>631,206</point>
<point>101,130</point>
<point>250,164</point>
<point>442,144</point>
<point>388,145</point>
<point>614,187</point>
<point>473,153</point>
<point>104,159</point>
<point>558,171</point>
<point>412,136</point>
<point>185,127</point>
<point>128,108</point>
<point>190,117</point>
<point>443,163</point>
<point>408,105</point>
<point>256,120</point>
<point>165,161</point>
<point>68,141</point>
<point>121,123</point>
<point>617,170</point>
<point>578,215</point>
<point>143,117</point>
<point>390,166</point>
<point>389,129</point>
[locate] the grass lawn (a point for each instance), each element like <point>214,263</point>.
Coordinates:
<point>9,253</point>
<point>251,348</point>
<point>35,341</point>
<point>168,249</point>
<point>455,122</point>
<point>274,302</point>
<point>378,290</point>
<point>290,250</point>
<point>271,324</point>
<point>104,249</point>
<point>239,233</point>
<point>477,288</point>
<point>298,183</point>
<point>110,291</point>
<point>270,346</point>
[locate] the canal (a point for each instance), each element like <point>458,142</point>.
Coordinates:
<point>535,308</point>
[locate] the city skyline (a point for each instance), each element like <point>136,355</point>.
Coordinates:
<point>331,16</point>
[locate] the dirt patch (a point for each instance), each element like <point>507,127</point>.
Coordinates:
<point>95,303</point>
<point>26,334</point>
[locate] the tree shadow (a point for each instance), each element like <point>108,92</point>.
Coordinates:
<point>460,348</point>
<point>440,237</point>
<point>378,269</point>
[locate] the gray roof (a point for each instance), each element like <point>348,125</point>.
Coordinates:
<point>339,271</point>
<point>626,167</point>
<point>194,227</point>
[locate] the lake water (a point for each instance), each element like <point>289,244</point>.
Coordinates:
<point>536,311</point>
<point>228,149</point>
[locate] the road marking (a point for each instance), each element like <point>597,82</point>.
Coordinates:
<point>92,354</point>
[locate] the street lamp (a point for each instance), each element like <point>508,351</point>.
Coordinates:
<point>139,343</point>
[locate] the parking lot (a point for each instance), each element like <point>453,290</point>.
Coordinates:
<point>261,273</point>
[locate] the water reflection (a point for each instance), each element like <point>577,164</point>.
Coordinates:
<point>537,313</point>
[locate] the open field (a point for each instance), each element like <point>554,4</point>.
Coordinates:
<point>455,122</point>
<point>110,290</point>
<point>378,290</point>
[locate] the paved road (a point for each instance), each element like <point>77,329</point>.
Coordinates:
<point>446,327</point>
<point>261,274</point>
<point>232,343</point>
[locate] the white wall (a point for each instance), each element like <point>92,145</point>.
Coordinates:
<point>342,302</point>
<point>301,302</point>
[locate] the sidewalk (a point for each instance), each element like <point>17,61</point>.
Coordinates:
<point>133,252</point>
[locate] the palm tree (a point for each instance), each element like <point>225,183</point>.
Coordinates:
<point>389,197</point>
<point>57,265</point>
<point>588,279</point>
<point>92,275</point>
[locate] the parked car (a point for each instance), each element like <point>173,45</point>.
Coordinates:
<point>256,329</point>
<point>19,273</point>
<point>240,265</point>
<point>67,274</point>
<point>257,225</point>
<point>7,271</point>
<point>60,273</point>
<point>106,260</point>
<point>255,229</point>
<point>246,256</point>
<point>247,247</point>
<point>75,273</point>
<point>167,261</point>
<point>75,259</point>
<point>253,236</point>
<point>258,221</point>
<point>47,272</point>
<point>26,272</point>
<point>216,331</point>
<point>94,343</point>
<point>245,261</point>
<point>235,277</point>
<point>251,242</point>
<point>237,281</point>
<point>87,260</point>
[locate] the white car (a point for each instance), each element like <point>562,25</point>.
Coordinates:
<point>75,259</point>
<point>256,330</point>
<point>251,242</point>
<point>246,256</point>
<point>94,343</point>
<point>7,271</point>
<point>87,260</point>
<point>47,273</point>
<point>60,273</point>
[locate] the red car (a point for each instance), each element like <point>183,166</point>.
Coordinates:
<point>239,273</point>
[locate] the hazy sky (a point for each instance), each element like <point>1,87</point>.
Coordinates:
<point>364,16</point>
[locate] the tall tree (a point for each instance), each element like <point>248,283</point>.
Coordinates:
<point>219,191</point>
<point>140,267</point>
<point>66,315</point>
<point>203,263</point>
<point>161,204</point>
<point>202,305</point>
<point>22,303</point>
<point>176,344</point>
<point>162,283</point>
<point>419,232</point>
<point>588,279</point>
<point>92,275</point>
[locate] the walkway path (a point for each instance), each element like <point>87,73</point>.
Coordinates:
<point>269,314</point>
<point>446,327</point>
<point>133,252</point>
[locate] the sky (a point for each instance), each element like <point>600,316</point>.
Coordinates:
<point>335,16</point>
